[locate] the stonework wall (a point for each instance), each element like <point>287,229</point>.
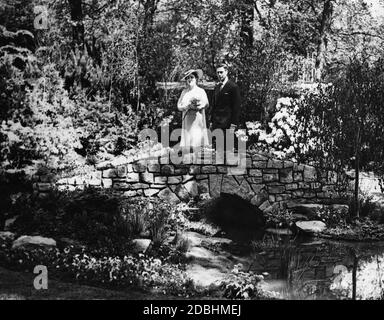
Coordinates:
<point>266,181</point>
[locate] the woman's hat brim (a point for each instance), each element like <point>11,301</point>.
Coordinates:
<point>197,72</point>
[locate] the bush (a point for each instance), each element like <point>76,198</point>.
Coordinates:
<point>369,208</point>
<point>241,285</point>
<point>366,206</point>
<point>97,218</point>
<point>279,218</point>
<point>103,127</point>
<point>333,217</point>
<point>93,267</point>
<point>279,136</point>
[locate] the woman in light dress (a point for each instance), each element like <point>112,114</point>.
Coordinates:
<point>192,102</point>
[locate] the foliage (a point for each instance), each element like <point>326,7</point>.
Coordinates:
<point>332,217</point>
<point>299,128</point>
<point>279,136</point>
<point>331,125</point>
<point>35,120</point>
<point>370,207</point>
<point>365,203</point>
<point>101,129</point>
<point>152,215</point>
<point>279,218</point>
<point>97,218</point>
<point>241,285</point>
<point>93,267</point>
<point>361,230</point>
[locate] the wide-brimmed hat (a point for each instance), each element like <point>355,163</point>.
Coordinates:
<point>197,72</point>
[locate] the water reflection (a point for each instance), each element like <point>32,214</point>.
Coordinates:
<point>323,270</point>
<point>369,280</point>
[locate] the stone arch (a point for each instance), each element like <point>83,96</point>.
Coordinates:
<point>265,182</point>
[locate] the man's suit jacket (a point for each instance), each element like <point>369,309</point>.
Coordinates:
<point>226,106</point>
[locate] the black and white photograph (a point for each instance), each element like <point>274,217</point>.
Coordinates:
<point>197,157</point>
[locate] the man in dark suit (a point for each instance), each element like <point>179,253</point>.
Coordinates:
<point>226,104</point>
<point>226,101</point>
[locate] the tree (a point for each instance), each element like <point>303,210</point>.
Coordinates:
<point>322,42</point>
<point>360,96</point>
<point>343,123</point>
<point>76,11</point>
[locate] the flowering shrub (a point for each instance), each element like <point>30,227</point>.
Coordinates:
<point>92,267</point>
<point>241,285</point>
<point>280,135</point>
<point>296,131</point>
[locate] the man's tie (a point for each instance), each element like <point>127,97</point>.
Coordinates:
<point>220,86</point>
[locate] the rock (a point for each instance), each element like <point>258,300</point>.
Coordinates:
<point>286,175</point>
<point>9,222</point>
<point>175,180</point>
<point>6,235</point>
<point>210,259</point>
<point>151,192</point>
<point>310,173</point>
<point>106,183</point>
<point>270,177</point>
<point>168,195</point>
<point>141,245</point>
<point>35,241</point>
<point>229,184</point>
<point>205,277</point>
<point>192,188</point>
<point>260,198</point>
<point>311,226</point>
<point>198,253</point>
<point>182,193</point>
<point>197,239</point>
<point>110,173</point>
<point>265,206</point>
<point>215,184</point>
<point>313,244</point>
<point>280,232</point>
<point>104,165</point>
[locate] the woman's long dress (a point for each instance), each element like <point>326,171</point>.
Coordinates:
<point>194,128</point>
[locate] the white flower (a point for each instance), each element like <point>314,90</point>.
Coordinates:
<point>269,140</point>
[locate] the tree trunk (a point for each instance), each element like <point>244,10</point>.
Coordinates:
<point>325,25</point>
<point>150,7</point>
<point>246,18</point>
<point>357,172</point>
<point>354,276</point>
<point>246,29</point>
<point>76,11</point>
<point>144,54</point>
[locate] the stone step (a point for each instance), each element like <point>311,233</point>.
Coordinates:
<point>311,227</point>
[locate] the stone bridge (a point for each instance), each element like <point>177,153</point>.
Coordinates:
<point>265,182</point>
